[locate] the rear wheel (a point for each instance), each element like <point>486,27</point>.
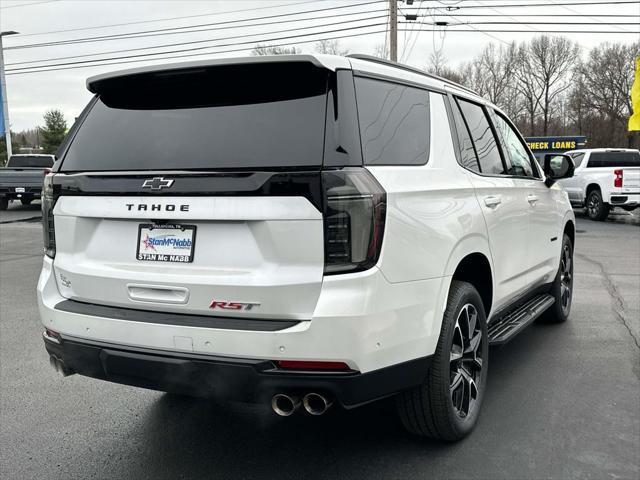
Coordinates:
<point>26,201</point>
<point>596,208</point>
<point>562,287</point>
<point>446,406</point>
<point>4,203</point>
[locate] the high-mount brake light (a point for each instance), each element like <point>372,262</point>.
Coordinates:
<point>617,182</point>
<point>354,217</point>
<point>48,227</point>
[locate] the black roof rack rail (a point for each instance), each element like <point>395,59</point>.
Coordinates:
<point>371,58</point>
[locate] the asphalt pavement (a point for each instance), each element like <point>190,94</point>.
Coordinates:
<point>563,401</point>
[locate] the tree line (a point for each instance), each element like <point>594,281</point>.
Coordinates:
<point>550,86</point>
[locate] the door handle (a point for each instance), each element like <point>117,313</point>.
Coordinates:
<point>532,199</point>
<point>492,201</point>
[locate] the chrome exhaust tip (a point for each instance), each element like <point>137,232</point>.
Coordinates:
<point>284,405</point>
<point>316,403</point>
<point>59,366</point>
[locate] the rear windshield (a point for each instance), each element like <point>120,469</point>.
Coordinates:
<point>30,161</point>
<point>614,159</point>
<point>241,116</point>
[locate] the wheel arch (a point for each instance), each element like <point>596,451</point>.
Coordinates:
<point>570,230</point>
<point>475,268</point>
<point>590,188</point>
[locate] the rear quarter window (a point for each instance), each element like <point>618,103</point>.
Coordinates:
<point>614,159</point>
<point>394,122</point>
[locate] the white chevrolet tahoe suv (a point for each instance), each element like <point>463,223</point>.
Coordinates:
<point>300,231</point>
<point>604,178</point>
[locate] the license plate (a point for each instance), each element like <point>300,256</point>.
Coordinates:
<point>166,243</point>
<point>19,189</point>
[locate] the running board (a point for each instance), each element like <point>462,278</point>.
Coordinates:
<point>507,327</point>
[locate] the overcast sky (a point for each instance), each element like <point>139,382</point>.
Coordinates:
<point>30,95</point>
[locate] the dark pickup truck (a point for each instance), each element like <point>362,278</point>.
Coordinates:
<point>22,178</point>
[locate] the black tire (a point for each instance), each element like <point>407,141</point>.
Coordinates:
<point>562,286</point>
<point>596,208</point>
<point>4,203</point>
<point>26,201</point>
<point>438,408</point>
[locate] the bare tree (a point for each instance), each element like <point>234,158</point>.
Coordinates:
<point>381,51</point>
<point>331,47</point>
<point>550,66</point>
<point>606,78</point>
<point>265,49</point>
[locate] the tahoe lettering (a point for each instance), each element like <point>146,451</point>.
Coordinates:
<point>156,207</point>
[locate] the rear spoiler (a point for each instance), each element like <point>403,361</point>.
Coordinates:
<point>331,62</point>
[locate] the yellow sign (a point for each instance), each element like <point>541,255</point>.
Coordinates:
<point>556,145</point>
<point>634,120</point>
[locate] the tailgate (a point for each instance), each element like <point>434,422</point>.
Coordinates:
<point>255,257</point>
<point>631,179</point>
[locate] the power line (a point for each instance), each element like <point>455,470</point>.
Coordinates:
<point>139,33</point>
<point>138,22</point>
<point>194,42</point>
<point>520,5</point>
<point>28,4</point>
<point>219,28</point>
<point>251,42</point>
<point>36,69</point>
<point>530,31</point>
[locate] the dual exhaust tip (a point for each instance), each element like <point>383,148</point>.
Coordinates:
<point>59,366</point>
<point>314,403</point>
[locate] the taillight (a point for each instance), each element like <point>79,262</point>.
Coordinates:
<point>46,172</point>
<point>354,216</point>
<point>48,229</point>
<point>617,182</point>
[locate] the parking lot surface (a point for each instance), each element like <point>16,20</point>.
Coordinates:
<point>563,401</point>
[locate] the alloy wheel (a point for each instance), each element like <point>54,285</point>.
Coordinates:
<point>593,205</point>
<point>466,361</point>
<point>566,277</point>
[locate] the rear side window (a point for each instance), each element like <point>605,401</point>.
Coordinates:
<point>394,122</point>
<point>468,157</point>
<point>224,117</point>
<point>483,138</point>
<point>614,159</point>
<point>30,161</point>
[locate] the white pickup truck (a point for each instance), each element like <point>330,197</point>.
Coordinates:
<point>604,178</point>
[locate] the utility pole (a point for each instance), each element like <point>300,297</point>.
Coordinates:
<point>393,30</point>
<point>3,94</point>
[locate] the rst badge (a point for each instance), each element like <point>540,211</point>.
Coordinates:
<point>223,305</point>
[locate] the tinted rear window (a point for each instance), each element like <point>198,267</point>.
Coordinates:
<point>242,116</point>
<point>30,161</point>
<point>614,159</point>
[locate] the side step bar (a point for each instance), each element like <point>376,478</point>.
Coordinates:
<point>507,327</point>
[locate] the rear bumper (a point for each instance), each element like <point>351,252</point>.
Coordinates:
<point>624,199</point>
<point>361,319</point>
<point>248,380</point>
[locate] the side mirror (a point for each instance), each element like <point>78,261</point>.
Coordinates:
<point>557,166</point>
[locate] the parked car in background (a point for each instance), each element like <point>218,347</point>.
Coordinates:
<point>22,177</point>
<point>604,178</point>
